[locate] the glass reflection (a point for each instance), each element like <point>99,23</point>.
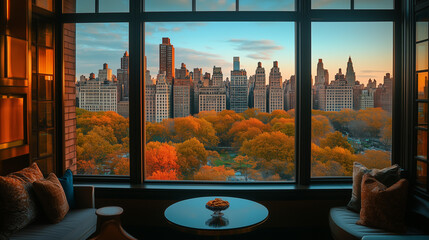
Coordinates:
<point>422,146</point>
<point>268,5</point>
<point>422,113</point>
<point>422,56</point>
<point>114,5</point>
<point>212,5</point>
<point>168,5</point>
<point>421,31</point>
<point>217,222</point>
<point>371,4</point>
<point>422,85</point>
<point>333,4</point>
<point>422,173</point>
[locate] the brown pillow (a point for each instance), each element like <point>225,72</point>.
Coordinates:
<point>383,207</point>
<point>18,205</point>
<point>52,198</point>
<point>387,176</point>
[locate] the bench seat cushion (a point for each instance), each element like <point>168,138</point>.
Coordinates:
<point>77,224</point>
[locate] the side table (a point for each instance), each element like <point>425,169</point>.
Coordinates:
<point>109,225</point>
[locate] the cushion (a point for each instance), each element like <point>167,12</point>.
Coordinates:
<point>67,183</point>
<point>52,198</point>
<point>387,176</point>
<point>342,223</point>
<point>78,224</point>
<point>18,205</point>
<point>383,207</point>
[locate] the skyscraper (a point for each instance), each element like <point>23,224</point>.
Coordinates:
<point>123,77</point>
<point>350,73</point>
<point>162,98</point>
<point>217,77</point>
<point>319,89</point>
<point>260,92</point>
<point>339,95</point>
<point>182,93</point>
<point>238,88</point>
<point>166,60</point>
<point>290,93</point>
<point>212,94</point>
<point>275,92</point>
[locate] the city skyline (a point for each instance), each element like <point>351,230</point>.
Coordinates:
<point>94,49</point>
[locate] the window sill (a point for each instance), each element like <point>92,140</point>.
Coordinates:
<point>262,191</point>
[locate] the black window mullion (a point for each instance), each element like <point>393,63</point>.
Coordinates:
<point>303,96</point>
<point>97,6</point>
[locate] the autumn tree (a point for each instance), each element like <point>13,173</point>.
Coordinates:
<point>320,126</point>
<point>191,156</point>
<point>386,133</point>
<point>250,113</point>
<point>87,167</point>
<point>219,173</point>
<point>182,129</point>
<point>284,125</point>
<point>246,130</point>
<point>161,157</point>
<point>156,132</point>
<point>120,166</point>
<point>340,155</point>
<point>163,175</point>
<point>336,139</point>
<point>274,151</point>
<point>329,168</point>
<point>375,159</point>
<point>221,122</point>
<point>243,163</point>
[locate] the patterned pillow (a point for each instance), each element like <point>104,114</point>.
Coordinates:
<point>387,176</point>
<point>383,207</point>
<point>17,200</point>
<point>52,198</point>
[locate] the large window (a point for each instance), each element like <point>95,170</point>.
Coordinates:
<point>352,66</point>
<point>240,91</point>
<point>219,101</point>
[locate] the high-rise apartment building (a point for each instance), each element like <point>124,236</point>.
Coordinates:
<point>275,89</point>
<point>150,99</point>
<point>217,77</point>
<point>182,93</point>
<point>290,93</point>
<point>123,77</point>
<point>319,88</point>
<point>212,98</point>
<point>238,88</point>
<point>259,91</point>
<point>105,74</point>
<point>383,94</point>
<point>96,95</point>
<point>339,95</point>
<point>162,98</point>
<point>350,73</point>
<point>166,60</point>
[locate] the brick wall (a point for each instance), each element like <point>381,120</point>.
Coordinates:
<point>69,55</point>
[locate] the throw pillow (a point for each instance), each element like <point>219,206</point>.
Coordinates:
<point>383,207</point>
<point>18,205</point>
<point>388,176</point>
<point>67,183</point>
<point>52,197</point>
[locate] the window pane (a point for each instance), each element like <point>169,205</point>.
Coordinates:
<point>46,88</point>
<point>421,31</point>
<point>46,115</point>
<point>114,5</point>
<point>422,111</point>
<point>352,97</point>
<point>333,4</point>
<point>214,5</point>
<point>269,5</point>
<point>422,146</point>
<point>422,56</point>
<point>102,97</point>
<point>45,142</point>
<point>231,122</point>
<point>167,5</point>
<point>45,36</point>
<point>46,4</point>
<point>78,6</point>
<point>422,174</point>
<point>46,165</point>
<point>46,60</point>
<point>371,4</point>
<point>422,85</point>
<point>16,58</point>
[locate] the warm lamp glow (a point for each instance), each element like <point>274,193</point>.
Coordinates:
<point>11,121</point>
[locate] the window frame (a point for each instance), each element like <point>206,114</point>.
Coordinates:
<point>303,16</point>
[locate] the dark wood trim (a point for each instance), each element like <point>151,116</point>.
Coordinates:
<point>59,79</point>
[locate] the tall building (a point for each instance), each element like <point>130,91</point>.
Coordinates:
<point>162,98</point>
<point>166,60</point>
<point>251,87</point>
<point>275,90</point>
<point>123,77</point>
<point>238,88</point>
<point>290,93</point>
<point>339,95</point>
<point>150,99</point>
<point>182,93</point>
<point>319,88</point>
<point>259,91</point>
<point>197,82</point>
<point>217,77</point>
<point>366,99</point>
<point>96,95</point>
<point>105,74</point>
<point>350,73</point>
<point>383,94</point>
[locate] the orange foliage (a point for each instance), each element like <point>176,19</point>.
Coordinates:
<point>182,129</point>
<point>246,130</point>
<point>163,175</point>
<point>87,167</point>
<point>320,126</point>
<point>375,159</point>
<point>191,156</point>
<point>284,125</point>
<point>160,157</point>
<point>221,122</point>
<point>336,139</point>
<point>214,173</point>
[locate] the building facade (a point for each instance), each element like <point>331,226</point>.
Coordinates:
<point>166,60</point>
<point>259,91</point>
<point>275,89</point>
